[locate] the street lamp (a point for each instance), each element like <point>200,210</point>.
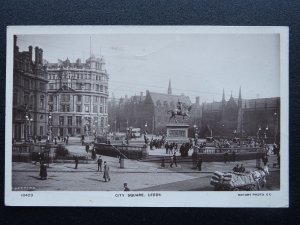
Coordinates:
<point>50,125</point>
<point>146,125</point>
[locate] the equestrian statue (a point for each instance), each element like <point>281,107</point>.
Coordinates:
<point>180,110</point>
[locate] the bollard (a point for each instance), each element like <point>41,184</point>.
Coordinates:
<point>122,163</point>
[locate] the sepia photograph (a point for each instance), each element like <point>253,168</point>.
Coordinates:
<point>179,116</point>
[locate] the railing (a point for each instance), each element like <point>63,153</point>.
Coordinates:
<point>26,152</point>
<point>214,150</point>
<point>127,151</point>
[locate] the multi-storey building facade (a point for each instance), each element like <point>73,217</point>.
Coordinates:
<point>29,94</point>
<point>151,110</point>
<point>78,94</point>
<point>242,117</point>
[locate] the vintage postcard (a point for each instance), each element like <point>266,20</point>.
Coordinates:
<point>157,116</point>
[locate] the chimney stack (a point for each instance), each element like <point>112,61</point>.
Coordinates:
<point>30,52</point>
<point>41,56</point>
<point>36,55</point>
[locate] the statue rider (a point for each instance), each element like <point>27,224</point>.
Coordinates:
<point>179,106</point>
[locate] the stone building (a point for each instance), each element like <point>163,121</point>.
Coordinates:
<point>78,94</point>
<point>29,94</point>
<point>150,110</point>
<point>242,118</point>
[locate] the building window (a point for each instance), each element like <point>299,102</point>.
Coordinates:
<point>87,86</point>
<point>42,102</point>
<point>42,86</point>
<point>106,89</point>
<point>61,120</point>
<point>97,87</point>
<point>95,109</point>
<point>65,98</point>
<point>15,98</point>
<point>78,108</point>
<point>67,108</point>
<point>101,100</point>
<point>101,109</point>
<point>51,107</point>
<point>70,120</point>
<point>26,83</point>
<point>41,130</point>
<point>78,98</point>
<point>78,120</point>
<point>78,86</point>
<point>101,88</point>
<point>95,98</point>
<point>87,108</point>
<point>50,98</point>
<point>26,99</point>
<point>87,99</point>
<point>102,122</point>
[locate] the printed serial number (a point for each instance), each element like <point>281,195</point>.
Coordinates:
<point>27,195</point>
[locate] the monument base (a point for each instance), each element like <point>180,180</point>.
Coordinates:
<point>177,132</point>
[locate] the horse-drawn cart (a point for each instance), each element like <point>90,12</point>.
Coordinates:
<point>233,181</point>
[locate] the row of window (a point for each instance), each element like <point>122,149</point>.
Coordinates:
<point>81,120</point>
<point>28,100</point>
<point>29,83</point>
<point>87,109</point>
<point>87,98</point>
<point>85,76</point>
<point>165,103</point>
<point>81,86</point>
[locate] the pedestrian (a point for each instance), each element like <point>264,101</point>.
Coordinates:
<point>87,148</point>
<point>175,159</point>
<point>167,147</point>
<point>55,142</point>
<point>126,187</point>
<point>99,161</point>
<point>67,139</point>
<point>163,162</point>
<point>43,171</point>
<point>242,169</point>
<point>265,159</point>
<point>106,172</point>
<point>199,163</point>
<point>194,157</point>
<point>76,162</point>
<point>171,162</point>
<point>236,168</point>
<point>225,157</point>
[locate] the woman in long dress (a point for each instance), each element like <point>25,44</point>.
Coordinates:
<point>106,172</point>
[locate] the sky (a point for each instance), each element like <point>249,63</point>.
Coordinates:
<point>197,64</point>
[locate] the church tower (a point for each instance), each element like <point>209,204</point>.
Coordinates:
<point>223,101</point>
<point>169,88</point>
<point>240,115</point>
<point>240,98</point>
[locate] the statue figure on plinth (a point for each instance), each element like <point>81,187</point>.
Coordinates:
<point>181,110</point>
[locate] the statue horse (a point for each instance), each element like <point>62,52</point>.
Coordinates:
<point>176,112</point>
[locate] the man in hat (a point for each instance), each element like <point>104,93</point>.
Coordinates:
<point>99,161</point>
<point>126,187</point>
<point>106,172</point>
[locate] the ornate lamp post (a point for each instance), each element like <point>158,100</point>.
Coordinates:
<point>266,134</point>
<point>50,125</point>
<point>146,125</point>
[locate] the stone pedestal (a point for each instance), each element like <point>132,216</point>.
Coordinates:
<point>177,132</point>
